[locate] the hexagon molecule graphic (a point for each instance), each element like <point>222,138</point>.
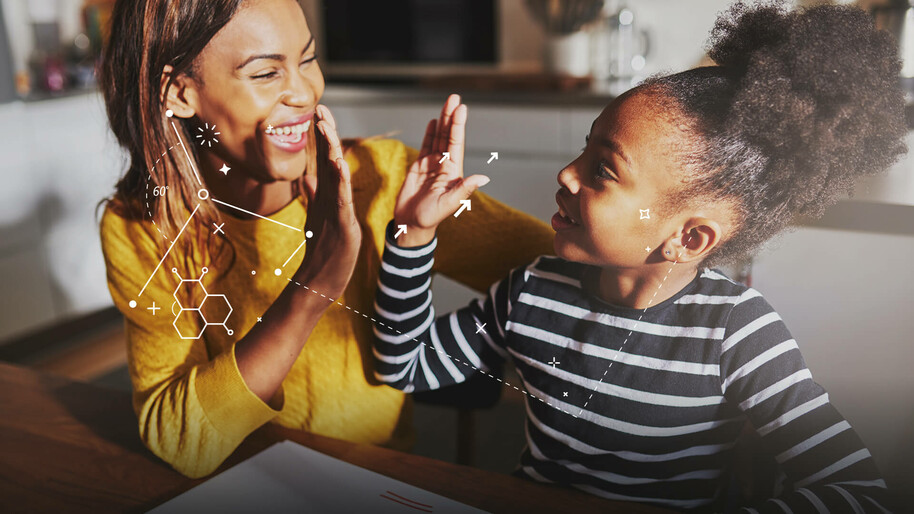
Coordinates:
<point>196,313</point>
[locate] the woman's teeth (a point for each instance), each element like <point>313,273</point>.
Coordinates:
<point>289,130</point>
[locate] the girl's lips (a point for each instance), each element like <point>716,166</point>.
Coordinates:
<point>560,222</point>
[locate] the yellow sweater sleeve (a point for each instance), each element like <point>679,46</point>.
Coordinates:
<point>193,408</point>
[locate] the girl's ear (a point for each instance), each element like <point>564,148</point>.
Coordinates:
<point>181,96</point>
<point>693,242</point>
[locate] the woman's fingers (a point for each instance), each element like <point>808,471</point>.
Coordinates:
<point>323,154</point>
<point>323,112</point>
<point>345,185</point>
<point>310,186</point>
<point>336,147</point>
<point>457,136</point>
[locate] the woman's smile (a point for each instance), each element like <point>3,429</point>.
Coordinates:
<point>291,136</point>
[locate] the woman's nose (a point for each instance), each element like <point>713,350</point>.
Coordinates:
<point>299,91</point>
<point>568,179</point>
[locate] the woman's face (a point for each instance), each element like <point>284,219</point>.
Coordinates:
<point>257,84</point>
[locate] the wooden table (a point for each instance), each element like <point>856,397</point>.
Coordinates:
<point>68,446</point>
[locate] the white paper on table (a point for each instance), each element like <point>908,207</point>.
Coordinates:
<point>288,477</point>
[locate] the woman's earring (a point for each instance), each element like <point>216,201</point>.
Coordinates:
<point>667,252</point>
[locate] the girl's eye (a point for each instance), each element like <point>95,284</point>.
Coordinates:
<point>604,172</point>
<point>309,60</point>
<point>586,142</point>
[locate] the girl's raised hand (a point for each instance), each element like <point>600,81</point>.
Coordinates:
<point>332,251</point>
<point>434,184</point>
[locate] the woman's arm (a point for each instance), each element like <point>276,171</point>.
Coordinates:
<point>266,353</point>
<point>194,408</point>
<point>764,375</point>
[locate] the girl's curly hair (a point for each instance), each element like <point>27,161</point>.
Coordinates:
<point>801,104</point>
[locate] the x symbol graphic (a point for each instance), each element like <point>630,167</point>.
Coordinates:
<point>218,228</point>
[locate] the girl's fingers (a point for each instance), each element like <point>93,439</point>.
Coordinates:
<point>444,121</point>
<point>457,136</point>
<point>429,139</point>
<point>466,188</point>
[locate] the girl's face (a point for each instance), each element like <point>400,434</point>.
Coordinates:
<point>612,203</point>
<point>258,86</point>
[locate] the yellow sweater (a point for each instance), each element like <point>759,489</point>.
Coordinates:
<point>193,405</point>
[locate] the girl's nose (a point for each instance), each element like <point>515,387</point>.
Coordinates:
<point>568,179</point>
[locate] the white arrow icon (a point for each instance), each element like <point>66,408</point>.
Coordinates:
<point>401,231</point>
<point>447,155</point>
<point>464,205</point>
<point>493,158</point>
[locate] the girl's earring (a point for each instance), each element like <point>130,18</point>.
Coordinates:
<point>667,252</point>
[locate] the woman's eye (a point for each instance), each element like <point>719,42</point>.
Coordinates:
<point>309,60</point>
<point>586,142</point>
<point>604,171</point>
<point>267,75</point>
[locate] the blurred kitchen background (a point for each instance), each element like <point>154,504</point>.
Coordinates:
<point>535,74</point>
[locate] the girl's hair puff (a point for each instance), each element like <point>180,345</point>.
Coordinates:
<point>801,105</point>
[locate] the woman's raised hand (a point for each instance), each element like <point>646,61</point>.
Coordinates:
<point>434,184</point>
<point>332,250</point>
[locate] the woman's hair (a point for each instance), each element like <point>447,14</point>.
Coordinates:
<point>147,35</point>
<point>801,104</point>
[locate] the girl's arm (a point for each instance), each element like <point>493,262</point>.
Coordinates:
<point>762,372</point>
<point>413,350</point>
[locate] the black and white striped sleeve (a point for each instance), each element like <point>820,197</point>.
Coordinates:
<point>763,373</point>
<point>414,351</point>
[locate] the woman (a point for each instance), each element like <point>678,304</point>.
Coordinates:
<point>287,342</point>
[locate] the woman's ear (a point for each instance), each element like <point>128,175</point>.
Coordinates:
<point>180,97</point>
<point>694,241</point>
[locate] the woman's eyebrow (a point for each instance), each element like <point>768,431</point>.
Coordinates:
<point>273,57</point>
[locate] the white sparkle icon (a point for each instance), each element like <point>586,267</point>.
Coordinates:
<point>645,214</point>
<point>208,136</point>
<point>224,169</point>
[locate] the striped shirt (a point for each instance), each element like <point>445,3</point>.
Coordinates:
<point>629,404</point>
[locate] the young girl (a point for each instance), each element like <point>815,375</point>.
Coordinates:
<point>640,364</point>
